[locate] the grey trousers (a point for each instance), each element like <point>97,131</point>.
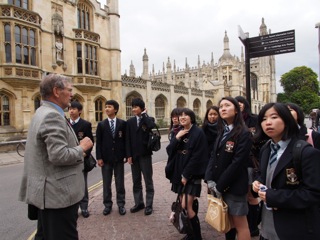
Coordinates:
<point>142,164</point>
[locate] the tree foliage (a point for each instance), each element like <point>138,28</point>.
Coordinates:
<point>300,86</point>
<point>300,78</point>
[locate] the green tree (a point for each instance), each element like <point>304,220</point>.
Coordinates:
<point>300,78</point>
<point>300,86</point>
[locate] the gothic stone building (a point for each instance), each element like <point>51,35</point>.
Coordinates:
<point>76,38</point>
<point>81,40</point>
<point>200,86</point>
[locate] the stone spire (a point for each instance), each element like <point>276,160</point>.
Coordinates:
<point>132,72</point>
<point>145,61</point>
<point>226,50</point>
<point>263,28</point>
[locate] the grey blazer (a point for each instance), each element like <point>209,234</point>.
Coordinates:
<point>52,176</point>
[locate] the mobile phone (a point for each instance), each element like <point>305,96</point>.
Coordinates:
<point>263,188</point>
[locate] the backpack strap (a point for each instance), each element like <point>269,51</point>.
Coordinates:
<point>297,158</point>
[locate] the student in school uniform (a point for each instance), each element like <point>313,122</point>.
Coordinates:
<point>227,173</point>
<point>290,193</point>
<point>111,156</point>
<point>82,129</point>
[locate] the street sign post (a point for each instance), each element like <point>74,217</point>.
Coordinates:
<point>272,44</point>
<point>265,45</point>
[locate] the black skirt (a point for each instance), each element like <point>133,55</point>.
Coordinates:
<point>192,188</point>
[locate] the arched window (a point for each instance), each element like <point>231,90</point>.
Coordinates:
<point>196,106</point>
<point>7,43</point>
<point>254,85</point>
<point>37,102</point>
<point>209,104</point>
<point>160,108</point>
<point>129,98</point>
<point>87,59</point>
<point>4,110</point>
<point>181,102</point>
<point>83,16</point>
<point>25,44</point>
<point>99,107</point>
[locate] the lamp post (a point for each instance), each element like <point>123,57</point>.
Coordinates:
<point>318,26</point>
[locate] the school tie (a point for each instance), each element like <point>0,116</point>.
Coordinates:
<point>73,122</point>
<point>274,151</point>
<point>225,133</point>
<point>138,121</point>
<point>112,127</point>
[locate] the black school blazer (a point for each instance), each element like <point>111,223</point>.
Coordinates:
<point>228,163</point>
<point>297,200</point>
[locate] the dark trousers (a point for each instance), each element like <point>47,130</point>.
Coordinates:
<point>85,200</point>
<point>59,223</point>
<point>116,168</point>
<point>142,164</point>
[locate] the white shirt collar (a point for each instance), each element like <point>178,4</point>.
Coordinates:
<point>75,121</point>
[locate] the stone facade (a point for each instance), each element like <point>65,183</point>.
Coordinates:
<point>80,39</point>
<point>76,38</point>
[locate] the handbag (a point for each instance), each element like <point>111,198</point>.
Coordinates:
<point>217,214</point>
<point>32,212</point>
<point>89,163</point>
<point>181,220</point>
<point>154,143</point>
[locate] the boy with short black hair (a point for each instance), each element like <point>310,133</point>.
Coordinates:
<point>139,156</point>
<point>110,151</point>
<point>82,128</point>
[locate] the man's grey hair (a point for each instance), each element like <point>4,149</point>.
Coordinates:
<point>51,81</point>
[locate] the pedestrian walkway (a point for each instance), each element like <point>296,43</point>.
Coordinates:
<point>133,225</point>
<point>137,225</point>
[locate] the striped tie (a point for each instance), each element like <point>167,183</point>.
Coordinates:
<point>112,127</point>
<point>225,133</point>
<point>274,151</point>
<point>138,122</point>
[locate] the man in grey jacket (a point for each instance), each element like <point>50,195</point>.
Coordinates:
<point>53,163</point>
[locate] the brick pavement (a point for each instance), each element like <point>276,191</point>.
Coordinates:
<point>137,225</point>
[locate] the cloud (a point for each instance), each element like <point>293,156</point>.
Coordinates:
<point>182,29</point>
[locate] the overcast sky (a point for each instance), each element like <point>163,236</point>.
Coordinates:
<point>182,29</point>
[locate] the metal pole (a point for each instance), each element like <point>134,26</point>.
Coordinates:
<point>248,84</point>
<point>318,26</point>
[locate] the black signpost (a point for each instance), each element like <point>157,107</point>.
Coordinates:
<point>265,45</point>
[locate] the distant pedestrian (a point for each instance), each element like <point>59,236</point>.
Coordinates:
<point>210,126</point>
<point>312,137</point>
<point>111,156</point>
<point>174,123</point>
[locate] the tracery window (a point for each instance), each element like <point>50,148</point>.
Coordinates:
<point>99,106</point>
<point>129,98</point>
<point>196,107</point>
<point>24,44</point>
<point>7,43</point>
<point>4,110</point>
<point>19,3</point>
<point>83,16</point>
<point>87,60</point>
<point>37,102</point>
<point>181,102</point>
<point>160,108</point>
